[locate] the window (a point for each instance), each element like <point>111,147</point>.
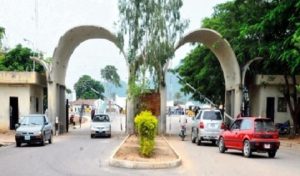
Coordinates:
<point>281,105</point>
<point>212,115</point>
<point>199,115</point>
<point>264,125</point>
<point>101,118</point>
<point>236,125</point>
<point>246,124</point>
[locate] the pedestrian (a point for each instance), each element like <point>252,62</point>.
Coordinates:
<point>92,113</point>
<point>182,123</point>
<point>81,114</point>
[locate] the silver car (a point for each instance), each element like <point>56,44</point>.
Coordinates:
<point>34,128</point>
<point>207,126</point>
<point>100,126</point>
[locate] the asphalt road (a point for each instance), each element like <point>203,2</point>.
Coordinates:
<point>76,154</point>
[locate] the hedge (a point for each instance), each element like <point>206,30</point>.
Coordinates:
<point>146,125</point>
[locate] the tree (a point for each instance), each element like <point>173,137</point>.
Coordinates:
<point>109,73</point>
<point>202,70</point>
<point>2,32</point>
<point>272,32</point>
<point>88,88</point>
<point>18,59</point>
<point>151,28</point>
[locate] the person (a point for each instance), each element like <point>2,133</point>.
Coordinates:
<point>93,113</point>
<point>72,121</point>
<point>183,123</point>
<point>81,114</point>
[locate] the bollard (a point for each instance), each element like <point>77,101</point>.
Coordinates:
<point>56,126</point>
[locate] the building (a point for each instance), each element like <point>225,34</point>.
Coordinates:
<point>87,104</point>
<point>266,98</point>
<point>21,93</point>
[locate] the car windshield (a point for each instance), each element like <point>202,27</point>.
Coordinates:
<point>212,115</point>
<point>32,120</point>
<point>101,118</point>
<point>264,125</point>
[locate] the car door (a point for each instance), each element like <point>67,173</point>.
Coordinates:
<point>245,129</point>
<point>196,122</point>
<point>47,127</point>
<point>232,134</point>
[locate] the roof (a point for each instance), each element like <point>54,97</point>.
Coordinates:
<point>89,102</point>
<point>10,77</point>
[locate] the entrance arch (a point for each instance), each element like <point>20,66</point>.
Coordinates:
<point>58,67</point>
<point>231,70</point>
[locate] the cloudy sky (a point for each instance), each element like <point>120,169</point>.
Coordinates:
<point>39,24</point>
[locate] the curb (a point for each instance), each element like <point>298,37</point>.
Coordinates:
<point>143,165</point>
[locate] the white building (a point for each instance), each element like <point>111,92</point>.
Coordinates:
<point>266,98</point>
<point>21,93</point>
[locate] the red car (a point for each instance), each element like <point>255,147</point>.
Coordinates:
<point>250,134</point>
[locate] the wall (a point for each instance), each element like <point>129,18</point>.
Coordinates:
<point>22,85</point>
<point>268,86</point>
<point>36,92</point>
<point>150,102</point>
<point>20,91</point>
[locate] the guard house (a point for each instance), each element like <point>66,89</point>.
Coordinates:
<point>21,93</point>
<point>266,98</point>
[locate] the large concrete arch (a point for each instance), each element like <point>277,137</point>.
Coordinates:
<point>58,67</point>
<point>224,53</point>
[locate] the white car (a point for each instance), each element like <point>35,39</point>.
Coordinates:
<point>100,126</point>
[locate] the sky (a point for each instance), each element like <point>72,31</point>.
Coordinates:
<point>39,24</point>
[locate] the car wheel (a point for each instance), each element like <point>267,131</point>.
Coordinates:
<point>18,144</point>
<point>50,139</point>
<point>222,147</point>
<point>198,140</point>
<point>215,142</point>
<point>247,149</point>
<point>192,136</point>
<point>272,153</point>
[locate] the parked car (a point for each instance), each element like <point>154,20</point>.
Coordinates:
<point>249,135</point>
<point>207,126</point>
<point>101,126</point>
<point>34,128</point>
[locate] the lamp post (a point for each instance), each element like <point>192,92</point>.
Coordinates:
<point>245,101</point>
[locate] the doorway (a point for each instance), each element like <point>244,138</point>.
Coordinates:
<point>270,107</point>
<point>13,112</point>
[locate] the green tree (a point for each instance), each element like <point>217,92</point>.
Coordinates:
<point>18,59</point>
<point>151,28</point>
<point>272,32</point>
<point>88,88</point>
<point>2,32</point>
<point>110,74</point>
<point>202,70</point>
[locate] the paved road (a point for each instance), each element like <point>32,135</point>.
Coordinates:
<point>76,154</point>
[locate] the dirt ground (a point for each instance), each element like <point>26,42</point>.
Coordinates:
<point>7,137</point>
<point>130,151</point>
<point>296,140</point>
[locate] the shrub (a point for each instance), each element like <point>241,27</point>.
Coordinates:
<point>146,124</point>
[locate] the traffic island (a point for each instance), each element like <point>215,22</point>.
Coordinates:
<point>127,155</point>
